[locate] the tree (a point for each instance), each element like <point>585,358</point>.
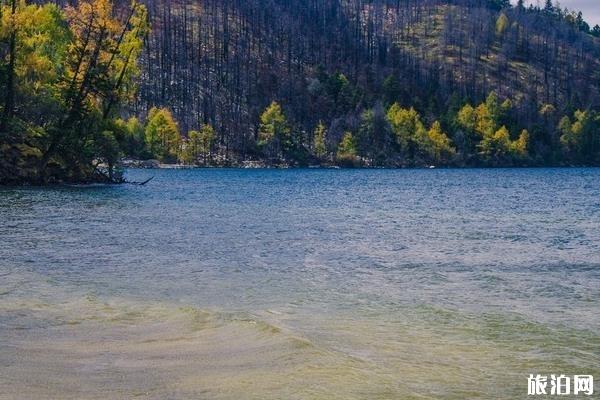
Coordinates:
<point>391,89</point>
<point>484,124</point>
<point>498,149</point>
<point>580,138</point>
<point>496,146</point>
<point>35,57</point>
<point>490,113</point>
<point>374,137</point>
<point>502,24</point>
<point>467,118</point>
<point>519,148</point>
<point>274,132</point>
<point>342,92</point>
<point>131,137</point>
<point>190,152</point>
<point>440,148</point>
<point>68,70</point>
<point>319,141</point>
<point>206,139</point>
<point>565,129</point>
<point>162,134</point>
<point>100,65</point>
<point>409,130</point>
<point>10,71</point>
<point>198,143</point>
<point>102,55</point>
<point>347,153</point>
<point>107,145</point>
<point>65,71</point>
<point>581,24</point>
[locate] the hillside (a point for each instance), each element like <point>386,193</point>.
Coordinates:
<point>223,61</point>
<point>293,82</point>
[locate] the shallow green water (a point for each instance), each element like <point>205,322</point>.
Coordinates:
<point>301,284</point>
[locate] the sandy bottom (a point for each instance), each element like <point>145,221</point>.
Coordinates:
<point>67,346</point>
<point>157,352</point>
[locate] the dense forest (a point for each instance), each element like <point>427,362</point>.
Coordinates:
<point>294,82</point>
<point>65,72</point>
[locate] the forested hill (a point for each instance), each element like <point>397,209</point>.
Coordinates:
<point>223,61</point>
<point>293,82</point>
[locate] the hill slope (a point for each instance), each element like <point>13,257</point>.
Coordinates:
<point>293,82</point>
<point>223,61</point>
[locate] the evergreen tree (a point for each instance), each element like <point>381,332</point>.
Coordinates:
<point>162,134</point>
<point>391,89</point>
<point>496,146</point>
<point>131,137</point>
<point>206,139</point>
<point>440,148</point>
<point>374,138</point>
<point>274,133</point>
<point>408,129</point>
<point>502,23</point>
<point>66,72</point>
<point>580,138</point>
<point>97,80</point>
<point>198,143</point>
<point>519,148</point>
<point>347,153</point>
<point>319,141</point>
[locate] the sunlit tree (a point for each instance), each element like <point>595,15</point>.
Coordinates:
<point>440,146</point>
<point>408,129</point>
<point>347,152</point>
<point>162,134</point>
<point>274,132</point>
<point>319,141</point>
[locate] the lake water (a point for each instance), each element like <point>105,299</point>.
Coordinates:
<point>300,284</point>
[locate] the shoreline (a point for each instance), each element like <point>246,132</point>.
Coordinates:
<point>333,166</point>
<point>364,164</point>
<point>257,166</point>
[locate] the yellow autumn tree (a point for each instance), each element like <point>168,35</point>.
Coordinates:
<point>519,148</point>
<point>274,132</point>
<point>347,153</point>
<point>408,129</point>
<point>99,67</point>
<point>162,134</point>
<point>199,143</point>
<point>440,146</point>
<point>319,144</point>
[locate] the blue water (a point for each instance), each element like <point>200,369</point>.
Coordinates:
<point>430,280</point>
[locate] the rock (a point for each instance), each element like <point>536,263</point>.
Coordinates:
<point>149,164</point>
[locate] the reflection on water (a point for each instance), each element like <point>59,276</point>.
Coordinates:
<point>300,285</point>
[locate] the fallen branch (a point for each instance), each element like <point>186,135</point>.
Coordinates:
<point>119,179</point>
<point>140,183</point>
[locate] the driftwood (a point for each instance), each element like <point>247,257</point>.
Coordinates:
<point>139,183</point>
<point>119,179</point>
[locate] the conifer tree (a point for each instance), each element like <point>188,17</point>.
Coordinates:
<point>441,149</point>
<point>274,133</point>
<point>162,134</point>
<point>319,141</point>
<point>347,153</point>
